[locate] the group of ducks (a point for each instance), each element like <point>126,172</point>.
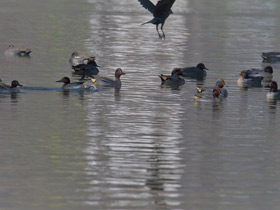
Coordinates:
<point>248,78</point>
<point>87,68</point>
<point>83,65</point>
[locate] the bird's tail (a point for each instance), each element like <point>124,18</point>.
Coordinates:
<point>153,21</point>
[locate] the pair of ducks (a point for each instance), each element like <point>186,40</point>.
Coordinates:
<point>195,72</point>
<point>84,65</point>
<point>216,93</point>
<point>97,81</point>
<point>255,77</point>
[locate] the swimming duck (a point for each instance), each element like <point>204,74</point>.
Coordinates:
<point>12,50</point>
<point>12,87</point>
<point>266,73</point>
<point>77,61</point>
<point>209,96</point>
<point>67,85</point>
<point>271,56</point>
<point>107,82</point>
<point>174,78</point>
<point>274,93</point>
<point>196,72</point>
<point>249,81</point>
<point>220,83</point>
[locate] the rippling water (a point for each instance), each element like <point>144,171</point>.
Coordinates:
<point>144,146</point>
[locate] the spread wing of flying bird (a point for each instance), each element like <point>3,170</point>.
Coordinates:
<point>160,11</point>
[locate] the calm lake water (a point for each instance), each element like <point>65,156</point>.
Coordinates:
<point>143,147</point>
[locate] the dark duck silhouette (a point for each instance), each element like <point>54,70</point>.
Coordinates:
<point>160,11</point>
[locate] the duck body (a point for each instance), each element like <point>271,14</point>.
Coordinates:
<point>274,93</point>
<point>173,79</point>
<point>100,81</point>
<point>67,85</point>
<point>12,50</point>
<point>249,81</point>
<point>90,69</point>
<point>271,56</point>
<point>195,72</point>
<point>266,73</point>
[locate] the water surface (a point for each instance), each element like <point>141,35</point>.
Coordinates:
<point>144,146</point>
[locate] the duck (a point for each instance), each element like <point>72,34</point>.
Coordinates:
<point>209,96</point>
<point>173,79</point>
<point>12,50</point>
<point>271,56</point>
<point>249,81</point>
<point>266,73</point>
<point>274,93</point>
<point>12,87</point>
<point>220,83</point>
<point>100,81</point>
<point>195,72</point>
<point>67,85</point>
<point>78,61</point>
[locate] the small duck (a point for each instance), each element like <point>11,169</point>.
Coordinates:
<point>247,81</point>
<point>174,78</point>
<point>12,87</point>
<point>78,61</point>
<point>220,83</point>
<point>274,93</point>
<point>195,72</point>
<point>211,96</point>
<point>266,73</point>
<point>12,50</point>
<point>67,85</point>
<point>271,56</point>
<point>107,82</point>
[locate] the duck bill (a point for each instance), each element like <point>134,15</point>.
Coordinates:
<point>59,80</point>
<point>122,73</point>
<point>206,68</point>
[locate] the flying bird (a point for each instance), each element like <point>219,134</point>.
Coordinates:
<point>160,11</point>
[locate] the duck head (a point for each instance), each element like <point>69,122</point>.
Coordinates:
<point>11,46</point>
<point>65,80</point>
<point>118,73</point>
<point>273,86</point>
<point>216,92</point>
<point>75,53</point>
<point>15,83</point>
<point>201,66</point>
<point>220,83</point>
<point>244,74</point>
<point>268,69</point>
